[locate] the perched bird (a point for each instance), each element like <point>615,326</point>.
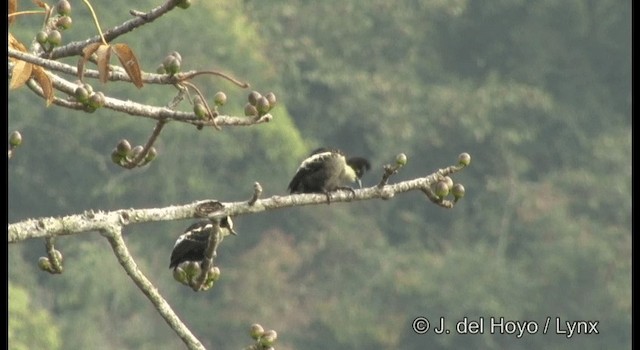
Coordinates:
<point>327,170</point>
<point>191,245</point>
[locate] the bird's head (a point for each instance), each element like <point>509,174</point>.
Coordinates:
<point>360,166</point>
<point>226,226</point>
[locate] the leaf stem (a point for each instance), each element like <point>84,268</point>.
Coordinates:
<point>95,20</point>
<point>30,12</point>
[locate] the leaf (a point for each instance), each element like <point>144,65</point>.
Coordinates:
<point>86,53</point>
<point>41,77</point>
<point>104,54</point>
<point>16,44</point>
<point>41,4</point>
<point>20,75</point>
<point>129,62</point>
<point>13,7</point>
<point>21,70</point>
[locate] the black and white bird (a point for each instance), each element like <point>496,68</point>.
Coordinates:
<point>191,245</point>
<point>327,170</point>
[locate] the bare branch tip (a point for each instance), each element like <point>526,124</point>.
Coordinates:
<point>257,191</point>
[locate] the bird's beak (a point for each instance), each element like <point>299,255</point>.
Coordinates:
<point>233,232</point>
<point>359,183</point>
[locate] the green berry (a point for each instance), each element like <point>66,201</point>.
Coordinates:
<point>54,37</point>
<point>250,110</point>
<point>448,181</point>
<point>81,94</point>
<point>214,273</point>
<point>89,109</point>
<point>63,7</point>
<point>442,189</point>
<point>123,148</point>
<point>464,159</point>
<point>57,255</point>
<point>136,151</point>
<point>253,97</point>
<point>184,4</point>
<point>268,338</point>
<point>151,154</point>
<point>200,110</point>
<point>15,139</point>
<point>96,100</point>
<point>89,88</point>
<point>256,331</point>
<point>116,157</point>
<point>401,159</point>
<point>44,263</point>
<point>220,98</point>
<point>271,97</point>
<point>171,64</point>
<point>458,191</point>
<point>192,268</point>
<point>263,105</point>
<point>180,275</point>
<point>64,22</point>
<point>41,37</point>
<point>177,55</point>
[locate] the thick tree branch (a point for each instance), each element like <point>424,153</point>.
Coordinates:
<point>146,111</point>
<point>113,234</point>
<point>99,221</point>
<point>140,19</point>
<point>117,73</point>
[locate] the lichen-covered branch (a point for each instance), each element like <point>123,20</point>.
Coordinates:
<point>97,221</point>
<point>147,111</point>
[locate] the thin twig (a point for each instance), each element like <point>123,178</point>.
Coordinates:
<point>389,170</point>
<point>212,114</point>
<point>209,254</point>
<point>190,75</point>
<point>145,150</point>
<point>29,12</point>
<point>257,191</point>
<point>114,236</point>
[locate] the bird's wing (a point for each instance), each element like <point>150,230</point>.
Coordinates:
<point>311,165</point>
<point>190,245</point>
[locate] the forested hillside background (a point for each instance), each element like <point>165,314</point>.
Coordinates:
<point>538,92</point>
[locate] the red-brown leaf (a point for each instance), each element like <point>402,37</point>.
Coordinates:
<point>129,63</point>
<point>41,77</point>
<point>16,44</point>
<point>104,54</point>
<point>41,3</point>
<point>21,70</point>
<point>13,7</point>
<point>21,73</point>
<point>86,53</point>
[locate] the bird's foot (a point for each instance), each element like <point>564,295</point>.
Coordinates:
<point>328,194</point>
<point>347,188</point>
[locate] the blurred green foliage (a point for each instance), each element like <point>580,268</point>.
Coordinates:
<point>539,93</point>
<point>30,326</point>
